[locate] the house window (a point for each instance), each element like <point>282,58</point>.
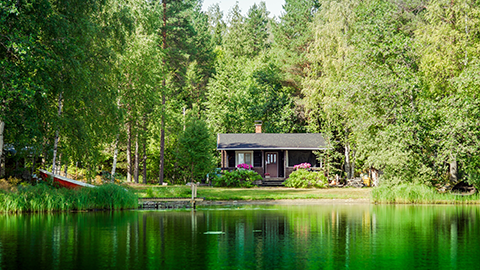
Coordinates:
<point>244,157</point>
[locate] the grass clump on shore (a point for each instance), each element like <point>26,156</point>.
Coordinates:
<point>419,194</point>
<point>168,192</point>
<point>41,198</point>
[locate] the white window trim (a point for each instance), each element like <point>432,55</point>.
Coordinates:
<point>247,152</point>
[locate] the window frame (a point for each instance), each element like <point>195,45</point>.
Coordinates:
<point>243,152</point>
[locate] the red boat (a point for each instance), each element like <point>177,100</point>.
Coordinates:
<point>63,181</point>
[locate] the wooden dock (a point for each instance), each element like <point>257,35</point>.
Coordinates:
<point>169,202</point>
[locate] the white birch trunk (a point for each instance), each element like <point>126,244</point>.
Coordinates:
<point>347,161</point>
<point>129,152</point>
<point>144,160</point>
<point>57,134</point>
<point>136,160</point>
<point>59,164</point>
<point>115,151</point>
<point>115,156</point>
<point>453,172</point>
<point>374,173</point>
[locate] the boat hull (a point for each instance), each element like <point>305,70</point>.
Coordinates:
<point>64,181</point>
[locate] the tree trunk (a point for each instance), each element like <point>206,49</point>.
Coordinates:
<point>144,162</point>
<point>65,172</point>
<point>352,165</point>
<point>347,161</point>
<point>144,176</point>
<point>115,156</point>
<point>162,124</point>
<point>44,153</point>
<point>57,134</point>
<point>33,165</point>
<point>137,157</point>
<point>2,127</point>
<point>59,164</point>
<point>453,172</point>
<point>129,152</point>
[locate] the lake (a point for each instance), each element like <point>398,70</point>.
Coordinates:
<point>247,237</point>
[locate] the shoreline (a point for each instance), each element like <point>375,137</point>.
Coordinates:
<point>287,202</point>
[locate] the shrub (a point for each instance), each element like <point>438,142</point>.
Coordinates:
<point>304,179</point>
<point>237,178</point>
<point>9,184</point>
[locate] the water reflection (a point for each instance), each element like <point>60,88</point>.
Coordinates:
<point>246,237</point>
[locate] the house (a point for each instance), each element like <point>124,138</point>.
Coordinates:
<point>273,154</point>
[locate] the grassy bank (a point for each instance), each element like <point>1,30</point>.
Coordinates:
<point>42,197</point>
<point>252,193</point>
<point>419,194</point>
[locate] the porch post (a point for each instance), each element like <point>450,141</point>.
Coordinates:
<point>263,162</point>
<point>222,154</point>
<point>285,161</point>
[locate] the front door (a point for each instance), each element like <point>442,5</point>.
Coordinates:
<point>271,164</point>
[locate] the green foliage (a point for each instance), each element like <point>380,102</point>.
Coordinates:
<point>392,85</point>
<point>245,90</point>
<point>302,178</point>
<point>195,153</point>
<point>292,36</point>
<point>237,178</point>
<point>42,197</point>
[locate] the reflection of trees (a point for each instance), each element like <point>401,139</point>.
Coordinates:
<point>275,237</point>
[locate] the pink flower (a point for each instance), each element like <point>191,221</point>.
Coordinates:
<point>302,166</point>
<point>244,166</point>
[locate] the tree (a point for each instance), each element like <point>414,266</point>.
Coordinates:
<point>196,146</point>
<point>448,42</point>
<point>217,26</point>
<point>244,90</point>
<point>292,36</point>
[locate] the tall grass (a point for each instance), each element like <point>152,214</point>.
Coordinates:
<point>169,192</point>
<point>42,197</point>
<point>418,194</point>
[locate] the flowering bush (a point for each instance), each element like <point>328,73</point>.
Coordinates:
<point>244,166</point>
<point>306,179</point>
<point>302,166</point>
<point>237,178</point>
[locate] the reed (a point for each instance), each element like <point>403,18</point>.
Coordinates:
<point>418,194</point>
<point>41,198</point>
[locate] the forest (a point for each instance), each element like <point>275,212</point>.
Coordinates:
<point>139,89</point>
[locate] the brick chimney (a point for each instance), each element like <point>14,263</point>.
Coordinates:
<point>258,126</point>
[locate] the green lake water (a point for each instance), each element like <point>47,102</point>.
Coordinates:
<point>247,237</point>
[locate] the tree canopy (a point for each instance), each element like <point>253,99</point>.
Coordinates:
<point>392,85</point>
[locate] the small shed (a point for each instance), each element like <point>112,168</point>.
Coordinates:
<point>273,154</point>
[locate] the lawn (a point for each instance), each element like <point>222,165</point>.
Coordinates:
<point>259,193</point>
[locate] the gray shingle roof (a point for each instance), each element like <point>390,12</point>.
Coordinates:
<point>269,141</point>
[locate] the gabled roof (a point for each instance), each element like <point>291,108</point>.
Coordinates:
<point>271,141</point>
